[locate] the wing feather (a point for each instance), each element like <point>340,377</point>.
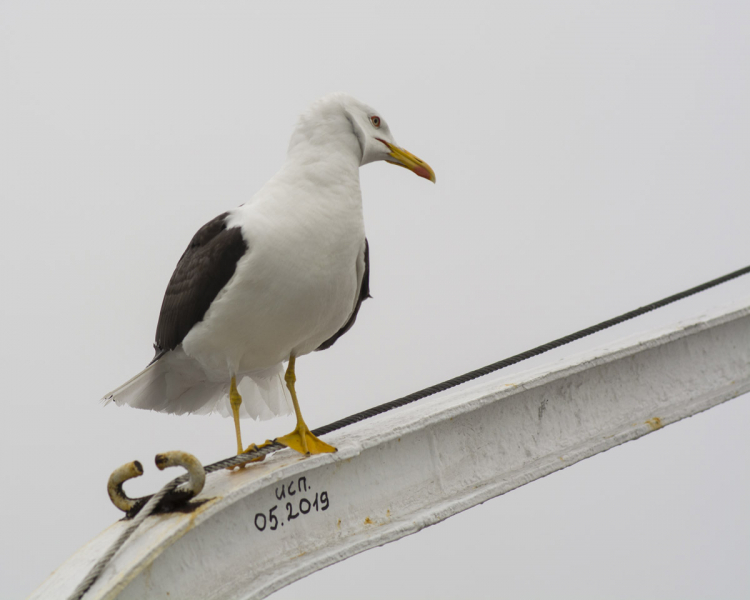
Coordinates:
<point>204,269</point>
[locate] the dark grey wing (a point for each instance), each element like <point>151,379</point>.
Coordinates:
<point>203,270</point>
<point>364,294</point>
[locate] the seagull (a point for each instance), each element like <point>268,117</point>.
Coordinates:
<point>271,280</point>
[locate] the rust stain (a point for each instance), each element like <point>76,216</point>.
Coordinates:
<point>203,508</point>
<point>368,521</point>
<point>388,513</point>
<point>655,423</point>
<point>339,524</point>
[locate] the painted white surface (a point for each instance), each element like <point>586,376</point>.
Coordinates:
<point>410,468</point>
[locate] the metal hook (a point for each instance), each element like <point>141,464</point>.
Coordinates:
<point>195,470</point>
<point>114,485</point>
<point>177,458</point>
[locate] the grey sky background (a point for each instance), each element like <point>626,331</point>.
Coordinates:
<point>590,157</point>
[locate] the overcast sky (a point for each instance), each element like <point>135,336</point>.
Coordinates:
<point>591,157</point>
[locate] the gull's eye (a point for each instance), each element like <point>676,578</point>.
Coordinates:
<point>375,122</point>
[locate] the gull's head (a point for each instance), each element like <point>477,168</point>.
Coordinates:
<point>340,118</point>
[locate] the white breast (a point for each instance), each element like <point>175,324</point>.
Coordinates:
<point>298,282</point>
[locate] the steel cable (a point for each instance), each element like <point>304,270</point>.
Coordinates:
<point>446,385</point>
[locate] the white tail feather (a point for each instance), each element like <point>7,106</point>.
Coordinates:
<point>177,384</point>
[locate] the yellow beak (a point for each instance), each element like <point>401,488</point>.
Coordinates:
<point>406,159</point>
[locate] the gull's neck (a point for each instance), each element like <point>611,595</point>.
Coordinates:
<point>325,153</point>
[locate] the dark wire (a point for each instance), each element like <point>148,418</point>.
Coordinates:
<point>446,385</point>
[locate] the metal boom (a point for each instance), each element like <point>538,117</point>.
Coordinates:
<point>274,522</point>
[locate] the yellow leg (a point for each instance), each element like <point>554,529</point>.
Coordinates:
<point>235,400</point>
<point>301,439</point>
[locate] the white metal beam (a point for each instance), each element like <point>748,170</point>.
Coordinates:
<point>397,473</point>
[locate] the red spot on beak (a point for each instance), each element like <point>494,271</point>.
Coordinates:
<point>422,172</point>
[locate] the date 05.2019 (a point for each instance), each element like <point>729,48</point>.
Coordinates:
<point>291,511</point>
